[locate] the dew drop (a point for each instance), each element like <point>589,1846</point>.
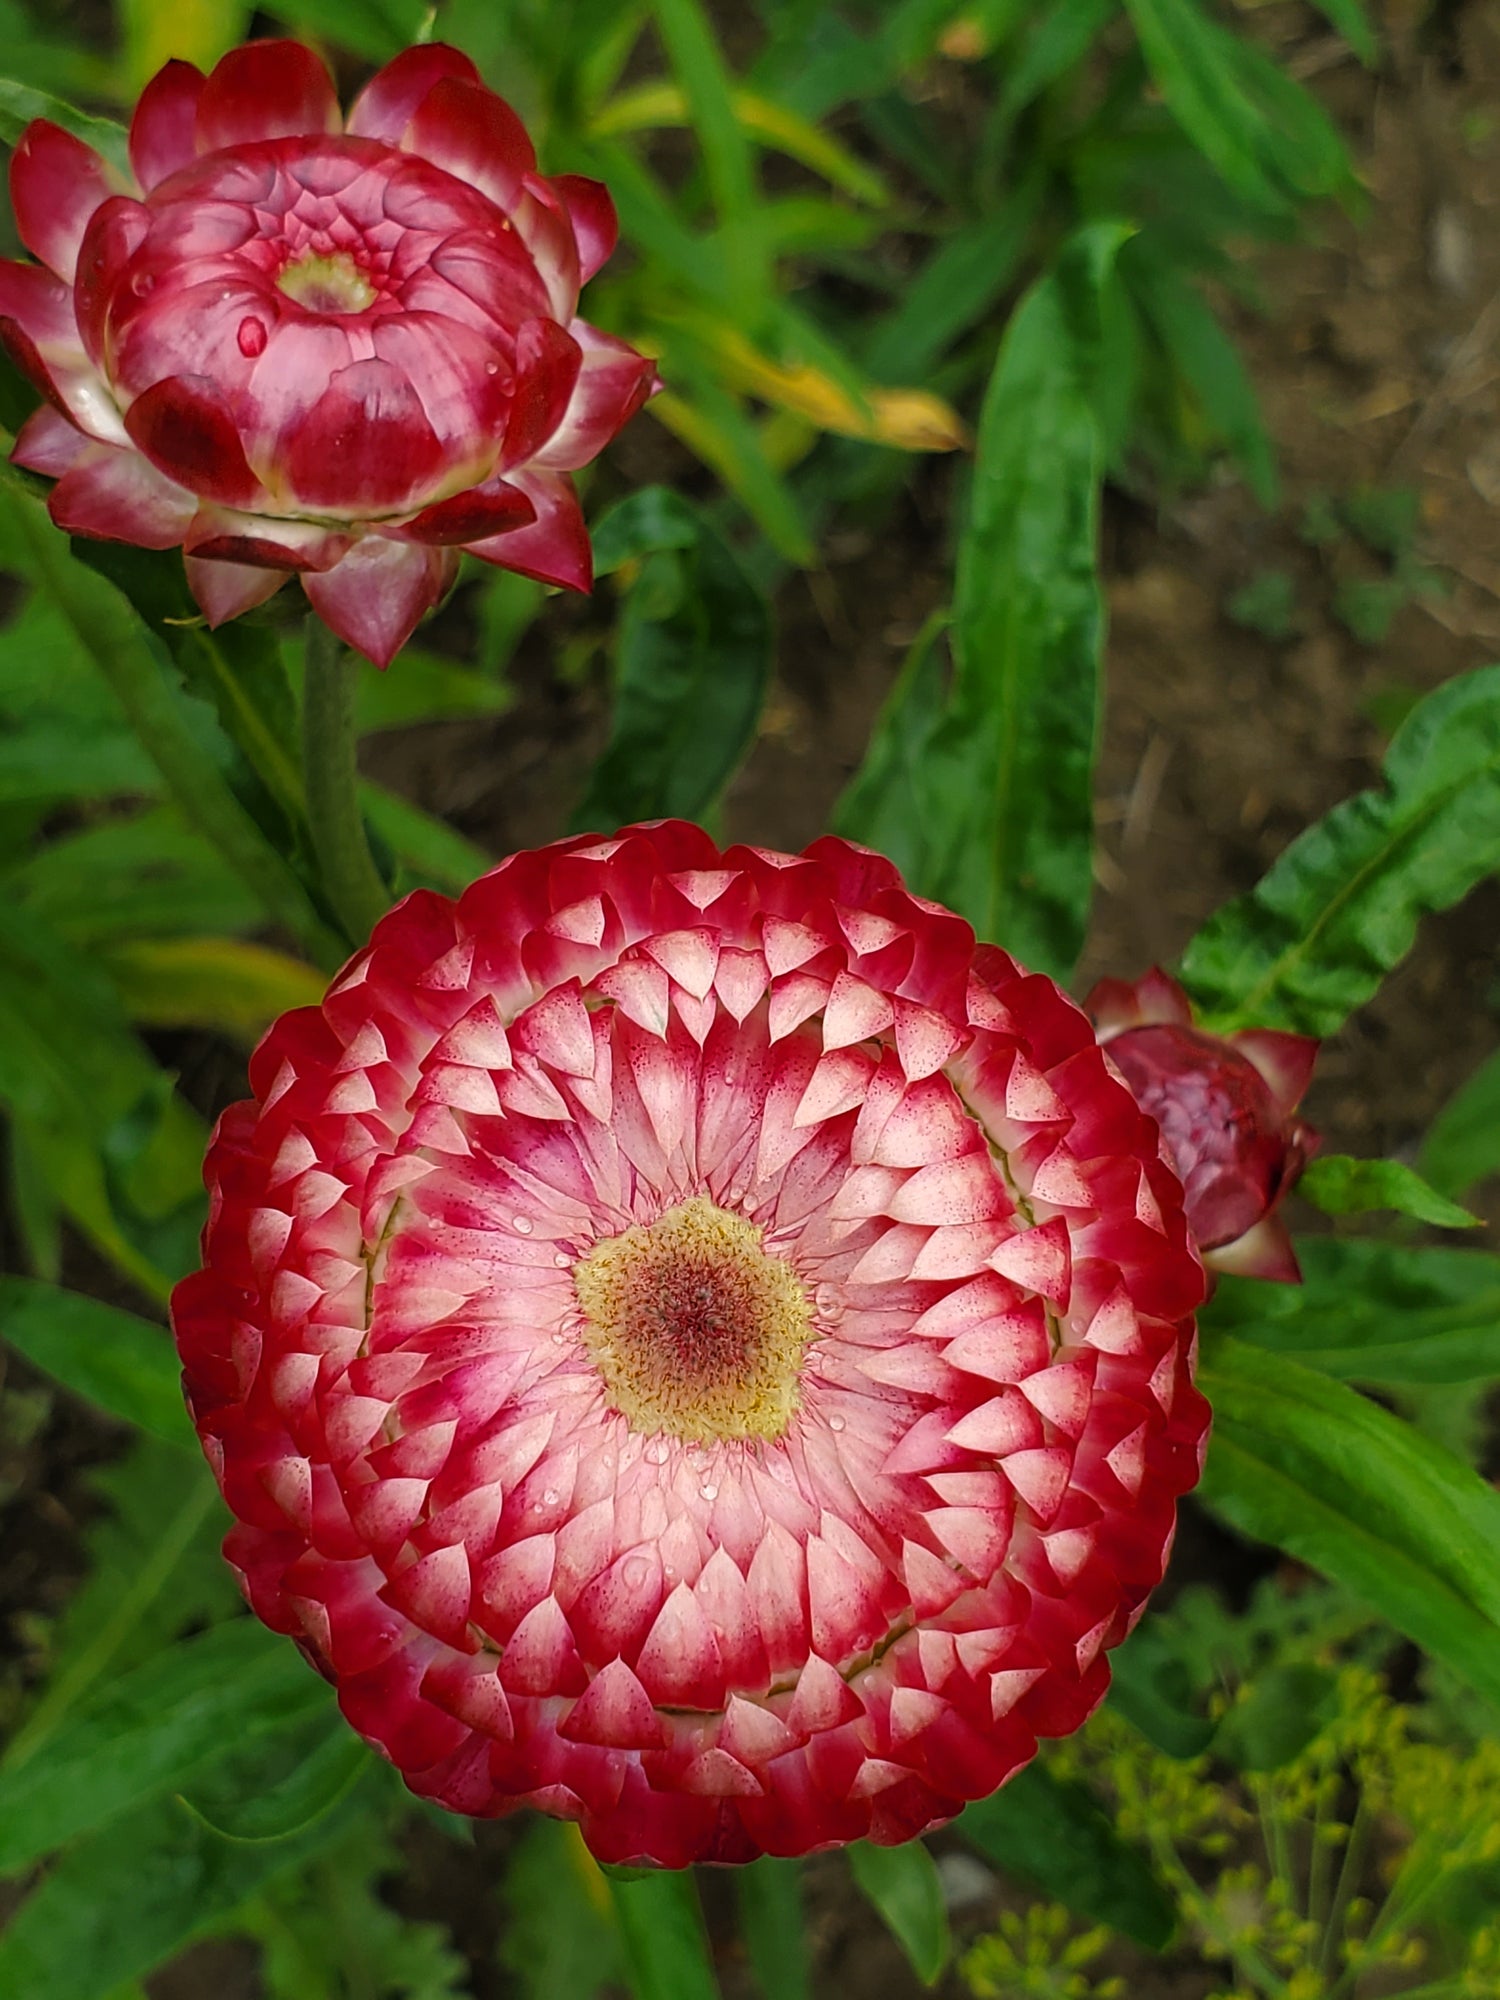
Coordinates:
<point>562,1260</point>
<point>251,337</point>
<point>522,1224</point>
<point>708,1490</point>
<point>549,1497</point>
<point>492,367</point>
<point>836,1423</point>
<point>828,1303</point>
<point>142,283</point>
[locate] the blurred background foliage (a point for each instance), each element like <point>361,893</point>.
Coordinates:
<point>854,231</point>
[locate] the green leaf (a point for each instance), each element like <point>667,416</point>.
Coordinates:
<point>1342,1485</point>
<point>1376,1312</point>
<point>986,803</point>
<point>1281,1712</point>
<point>1462,1146</point>
<point>374,29</point>
<point>431,853</point>
<point>223,984</point>
<point>666,1946</point>
<point>902,1884</point>
<point>124,1364</point>
<point>1206,359</point>
<point>773,1925</point>
<point>559,1938</point>
<point>155,1570</point>
<point>20,104</point>
<point>1268,138</point>
<point>1057,1837</point>
<point>1353,23</point>
<point>150,1731</point>
<point>301,1772</point>
<point>1341,1185</point>
<point>145,875</point>
<point>120,1903</point>
<point>1060,37</point>
<point>692,656</point>
<point>1313,940</point>
<point>1151,1687</point>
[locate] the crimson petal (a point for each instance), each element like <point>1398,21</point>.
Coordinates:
<point>595,223</point>
<point>496,508</point>
<point>474,135</point>
<point>115,495</point>
<point>384,108</point>
<point>225,590</point>
<point>548,360</point>
<point>56,183</point>
<point>163,132</point>
<point>555,548</point>
<point>266,90</point>
<point>182,426</point>
<point>613,383</point>
<point>365,447</point>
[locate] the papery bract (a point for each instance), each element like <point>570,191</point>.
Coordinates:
<point>695,1345</point>
<point>296,344</point>
<point>1226,1106</point>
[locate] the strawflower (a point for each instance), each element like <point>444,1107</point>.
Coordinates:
<point>296,344</point>
<point>695,1345</point>
<point>1226,1105</point>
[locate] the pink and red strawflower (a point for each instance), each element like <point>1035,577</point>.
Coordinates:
<point>1226,1106</point>
<point>696,1345</point>
<point>345,350</point>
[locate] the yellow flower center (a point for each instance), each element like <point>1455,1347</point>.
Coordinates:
<point>697,1329</point>
<point>327,284</point>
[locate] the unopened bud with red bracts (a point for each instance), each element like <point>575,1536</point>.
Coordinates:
<point>292,343</point>
<point>1226,1107</point>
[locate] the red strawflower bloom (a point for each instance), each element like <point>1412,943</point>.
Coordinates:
<point>695,1345</point>
<point>1225,1105</point>
<point>299,345</point>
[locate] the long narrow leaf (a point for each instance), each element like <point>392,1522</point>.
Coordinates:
<point>666,1946</point>
<point>1339,1483</point>
<point>902,1884</point>
<point>1462,1146</point>
<point>773,1926</point>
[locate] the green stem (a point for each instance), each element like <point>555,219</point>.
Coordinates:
<point>1347,1885</point>
<point>330,773</point>
<point>125,654</point>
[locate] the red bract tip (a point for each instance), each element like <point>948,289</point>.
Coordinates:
<point>338,337</point>
<point>1225,1106</point>
<point>696,1346</point>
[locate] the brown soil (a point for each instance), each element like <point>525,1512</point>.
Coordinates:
<point>1378,360</point>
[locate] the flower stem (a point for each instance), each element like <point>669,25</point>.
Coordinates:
<point>351,881</point>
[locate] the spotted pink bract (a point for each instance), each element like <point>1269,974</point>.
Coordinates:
<point>700,1647</point>
<point>296,345</point>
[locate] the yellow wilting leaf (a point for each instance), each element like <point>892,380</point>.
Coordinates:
<point>652,106</point>
<point>909,419</point>
<point>211,982</point>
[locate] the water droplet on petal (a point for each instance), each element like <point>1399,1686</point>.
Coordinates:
<point>828,1303</point>
<point>492,367</point>
<point>252,337</point>
<point>142,283</point>
<point>562,1260</point>
<point>549,1497</point>
<point>836,1423</point>
<point>708,1490</point>
<point>522,1224</point>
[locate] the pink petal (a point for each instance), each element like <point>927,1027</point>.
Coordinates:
<point>556,548</point>
<point>548,361</point>
<point>365,447</point>
<point>376,597</point>
<point>163,132</point>
<point>595,224</point>
<point>265,90</point>
<point>263,540</point>
<point>222,590</point>
<point>1262,1252</point>
<point>116,495</point>
<point>116,231</point>
<point>56,183</point>
<point>613,383</point>
<point>1284,1060</point>
<point>474,135</point>
<point>184,428</point>
<point>48,443</point>
<point>385,106</point>
<point>492,509</point>
<point>41,306</point>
